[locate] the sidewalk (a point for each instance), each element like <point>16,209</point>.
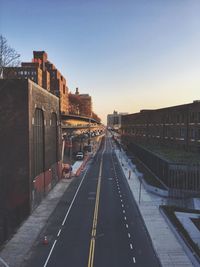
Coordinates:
<point>167,247</point>
<point>15,251</point>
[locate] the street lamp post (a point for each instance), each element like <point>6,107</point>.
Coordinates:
<point>140,191</point>
<point>70,148</point>
<point>89,130</point>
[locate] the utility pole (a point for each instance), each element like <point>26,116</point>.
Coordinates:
<point>140,191</point>
<point>89,129</point>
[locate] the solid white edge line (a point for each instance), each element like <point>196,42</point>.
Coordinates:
<point>74,198</point>
<point>50,253</point>
<point>66,217</point>
<point>5,264</point>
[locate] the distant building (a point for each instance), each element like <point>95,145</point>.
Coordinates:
<point>80,104</point>
<point>30,154</point>
<point>85,107</point>
<point>167,141</point>
<point>45,74</point>
<point>114,120</point>
<point>177,126</point>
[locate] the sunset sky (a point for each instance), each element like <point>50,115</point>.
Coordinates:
<point>127,54</point>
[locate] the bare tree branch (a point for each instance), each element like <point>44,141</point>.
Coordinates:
<point>8,56</point>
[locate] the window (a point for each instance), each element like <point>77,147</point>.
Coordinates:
<point>178,118</point>
<point>192,133</point>
<point>38,143</point>
<point>182,132</point>
<point>199,117</point>
<point>192,117</point>
<point>182,118</point>
<point>54,139</point>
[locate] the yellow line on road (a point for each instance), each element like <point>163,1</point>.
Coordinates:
<point>95,219</point>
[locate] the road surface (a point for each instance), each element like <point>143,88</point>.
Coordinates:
<point>97,223</point>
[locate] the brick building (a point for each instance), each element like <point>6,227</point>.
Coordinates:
<point>177,126</point>
<point>167,141</point>
<point>80,104</point>
<point>45,74</point>
<point>30,153</point>
<point>85,107</point>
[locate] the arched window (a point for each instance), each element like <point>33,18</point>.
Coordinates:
<point>54,139</point>
<point>38,142</point>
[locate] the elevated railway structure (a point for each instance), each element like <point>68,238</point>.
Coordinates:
<point>79,134</point>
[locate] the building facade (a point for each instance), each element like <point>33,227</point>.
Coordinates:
<point>80,104</point>
<point>114,120</point>
<point>30,152</point>
<point>45,74</point>
<point>177,126</point>
<point>167,141</point>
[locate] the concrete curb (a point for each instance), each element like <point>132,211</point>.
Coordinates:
<point>169,251</point>
<point>82,166</point>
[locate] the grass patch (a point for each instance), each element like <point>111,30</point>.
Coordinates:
<point>172,154</point>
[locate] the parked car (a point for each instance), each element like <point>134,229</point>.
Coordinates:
<point>79,156</point>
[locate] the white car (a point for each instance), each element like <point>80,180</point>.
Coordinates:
<point>79,156</point>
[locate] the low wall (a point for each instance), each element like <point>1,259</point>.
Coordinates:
<point>155,190</point>
<point>189,251</point>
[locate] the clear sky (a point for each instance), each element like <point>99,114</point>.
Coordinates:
<point>127,54</point>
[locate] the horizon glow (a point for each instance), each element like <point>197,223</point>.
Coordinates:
<point>128,55</point>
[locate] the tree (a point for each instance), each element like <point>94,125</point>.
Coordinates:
<point>8,56</point>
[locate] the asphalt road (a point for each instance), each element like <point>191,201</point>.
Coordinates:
<point>97,223</point>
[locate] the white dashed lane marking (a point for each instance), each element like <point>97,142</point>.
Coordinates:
<point>123,210</point>
<point>59,232</point>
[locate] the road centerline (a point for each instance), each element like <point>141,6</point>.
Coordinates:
<point>95,218</point>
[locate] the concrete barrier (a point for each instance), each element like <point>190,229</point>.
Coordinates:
<point>155,190</point>
<point>78,171</point>
<point>189,251</point>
